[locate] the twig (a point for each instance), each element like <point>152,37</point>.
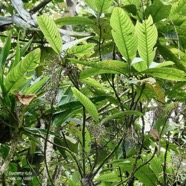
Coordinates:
<point>57,145</point>
<point>83,141</point>
<point>39,6</point>
<point>108,156</point>
<point>10,154</point>
<point>140,151</point>
<point>165,161</point>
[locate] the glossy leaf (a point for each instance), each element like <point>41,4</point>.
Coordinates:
<point>51,32</point>
<point>87,103</point>
<point>123,32</point>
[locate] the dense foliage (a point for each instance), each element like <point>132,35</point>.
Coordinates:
<point>93,92</point>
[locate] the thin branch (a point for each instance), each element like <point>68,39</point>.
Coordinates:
<point>23,40</point>
<point>39,6</point>
<point>83,142</point>
<point>34,172</point>
<point>165,161</point>
<point>57,145</point>
<point>104,161</point>
<point>10,154</point>
<point>50,123</point>
<point>141,148</point>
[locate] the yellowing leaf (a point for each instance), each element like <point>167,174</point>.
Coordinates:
<point>25,99</point>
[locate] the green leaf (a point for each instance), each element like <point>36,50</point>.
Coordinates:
<point>25,47</point>
<point>109,177</point>
<point>95,71</point>
<point>113,65</point>
<point>82,50</point>
<point>123,32</point>
<point>36,86</point>
<point>147,36</point>
<point>91,4</point>
<point>28,64</point>
<point>17,56</point>
<point>51,32</point>
<point>158,11</point>
<point>89,106</point>
<point>121,114</point>
<point>160,65</point>
<point>146,176</point>
<point>5,52</point>
<point>164,115</point>
<point>167,73</point>
<point>94,83</point>
<point>157,90</point>
<point>103,5</point>
<point>87,141</point>
<point>156,166</point>
<point>169,55</point>
<point>77,20</point>
<point>140,65</point>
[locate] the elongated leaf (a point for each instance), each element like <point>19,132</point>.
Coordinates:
<point>156,166</point>
<point>82,50</point>
<point>36,86</point>
<point>109,177</point>
<point>146,176</point>
<point>158,11</point>
<point>103,5</point>
<point>167,73</point>
<point>160,65</point>
<point>157,90</point>
<point>121,114</point>
<point>28,64</point>
<point>87,141</point>
<point>89,106</point>
<point>77,20</point>
<point>5,52</point>
<point>91,4</point>
<point>169,55</point>
<point>51,32</point>
<point>95,71</point>
<point>113,65</point>
<point>19,6</point>
<point>18,55</point>
<point>25,47</point>
<point>123,32</point>
<point>147,36</point>
<point>92,82</point>
<point>73,43</point>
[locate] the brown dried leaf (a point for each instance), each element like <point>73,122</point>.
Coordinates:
<point>25,99</point>
<point>154,134</point>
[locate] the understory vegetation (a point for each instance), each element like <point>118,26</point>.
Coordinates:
<point>93,92</point>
